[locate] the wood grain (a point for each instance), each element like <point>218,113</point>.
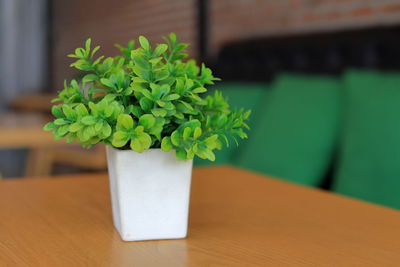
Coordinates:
<point>236,219</point>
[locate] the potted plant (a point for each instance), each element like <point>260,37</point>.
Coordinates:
<point>150,108</point>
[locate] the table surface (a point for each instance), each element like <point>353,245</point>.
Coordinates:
<point>237,218</point>
<point>25,130</point>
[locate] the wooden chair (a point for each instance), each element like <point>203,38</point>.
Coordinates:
<point>23,129</point>
<point>41,162</point>
<point>32,103</point>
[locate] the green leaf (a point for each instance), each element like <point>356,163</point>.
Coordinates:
<point>166,144</point>
<point>119,139</point>
<point>94,140</point>
<point>69,112</point>
<point>159,91</point>
<point>128,91</point>
<point>155,61</point>
<point>144,43</point>
<point>197,133</point>
<point>192,124</point>
<point>108,111</point>
<point>72,55</point>
<point>157,128</point>
<point>79,52</point>
<point>145,140</point>
<point>135,110</point>
<point>136,145</point>
<point>143,74</point>
<point>89,120</point>
<point>57,112</point>
<point>98,126</point>
<point>179,86</point>
<point>223,136</point>
<point>195,148</point>
<point>125,121</point>
<point>146,93</point>
<point>186,133</point>
<point>190,154</point>
<point>199,90</point>
<point>210,155</point>
<point>172,36</point>
<point>87,133</point>
<point>218,144</point>
<point>94,51</point>
<point>162,75</point>
<point>107,83</point>
<point>109,98</point>
<point>49,126</point>
<point>56,135</point>
<point>179,115</point>
<point>63,130</point>
<point>146,104</point>
<point>70,138</point>
<point>141,62</point>
<point>97,61</point>
<point>175,138</point>
<point>172,97</point>
<point>160,49</point>
<point>87,44</point>
<point>211,140</point>
<point>141,142</point>
<point>90,78</point>
<point>179,56</point>
<point>169,106</point>
<point>61,122</point>
<point>138,80</point>
<point>158,112</point>
<point>181,154</point>
<point>106,131</point>
<point>201,151</point>
<point>147,121</point>
<point>74,127</point>
<point>247,114</point>
<point>187,105</point>
<point>81,110</point>
<point>160,103</point>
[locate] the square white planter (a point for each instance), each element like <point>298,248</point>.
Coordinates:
<point>149,193</point>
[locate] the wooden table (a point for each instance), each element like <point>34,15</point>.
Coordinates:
<point>236,219</point>
<point>24,130</point>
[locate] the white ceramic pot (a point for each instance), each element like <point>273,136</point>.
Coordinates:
<point>149,193</point>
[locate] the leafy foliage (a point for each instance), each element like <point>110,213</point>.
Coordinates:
<point>145,98</point>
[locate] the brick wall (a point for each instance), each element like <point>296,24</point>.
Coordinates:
<point>109,22</point>
<point>241,19</point>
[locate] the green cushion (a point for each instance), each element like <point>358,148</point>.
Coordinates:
<point>240,95</point>
<point>295,137</point>
<point>369,164</point>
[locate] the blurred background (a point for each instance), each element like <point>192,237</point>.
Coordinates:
<point>321,77</point>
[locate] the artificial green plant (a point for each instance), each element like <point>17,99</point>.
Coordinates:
<point>145,98</point>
